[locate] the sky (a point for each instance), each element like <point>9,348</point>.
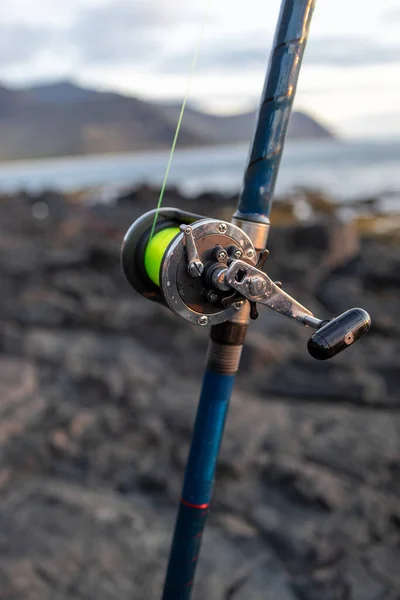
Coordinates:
<point>350,78</point>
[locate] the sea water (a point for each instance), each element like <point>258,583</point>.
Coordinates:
<point>346,170</point>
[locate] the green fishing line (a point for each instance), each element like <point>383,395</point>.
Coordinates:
<point>192,70</point>
<point>155,251</point>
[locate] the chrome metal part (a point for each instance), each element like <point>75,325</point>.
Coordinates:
<point>195,266</point>
<point>257,286</point>
<point>188,296</point>
<point>241,277</point>
<point>257,232</point>
<point>309,321</point>
<point>222,255</point>
<point>212,296</point>
<point>222,227</point>
<point>218,279</point>
<point>243,312</point>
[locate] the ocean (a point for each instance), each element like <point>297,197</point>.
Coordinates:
<point>346,170</point>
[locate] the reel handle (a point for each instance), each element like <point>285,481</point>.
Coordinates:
<point>338,334</point>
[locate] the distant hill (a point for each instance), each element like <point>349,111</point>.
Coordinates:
<point>239,128</point>
<point>62,119</point>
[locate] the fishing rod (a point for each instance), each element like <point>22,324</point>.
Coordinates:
<point>211,273</point>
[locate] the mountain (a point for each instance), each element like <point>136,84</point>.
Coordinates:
<point>62,118</point>
<point>61,92</point>
<point>238,128</point>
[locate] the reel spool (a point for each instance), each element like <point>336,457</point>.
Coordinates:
<point>183,265</point>
<point>134,247</point>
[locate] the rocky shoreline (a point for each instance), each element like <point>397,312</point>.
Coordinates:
<point>99,390</point>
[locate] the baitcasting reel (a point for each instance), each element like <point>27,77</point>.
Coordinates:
<point>205,269</point>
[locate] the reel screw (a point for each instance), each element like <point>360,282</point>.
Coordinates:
<point>195,269</point>
<point>238,305</point>
<point>203,320</point>
<point>222,255</point>
<point>349,338</point>
<point>257,286</point>
<point>237,254</point>
<point>212,297</point>
<point>222,228</point>
<point>250,252</point>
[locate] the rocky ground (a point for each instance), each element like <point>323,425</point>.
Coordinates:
<point>98,394</point>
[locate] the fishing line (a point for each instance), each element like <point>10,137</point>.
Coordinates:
<point>178,127</point>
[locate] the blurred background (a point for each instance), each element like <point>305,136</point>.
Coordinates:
<point>99,387</point>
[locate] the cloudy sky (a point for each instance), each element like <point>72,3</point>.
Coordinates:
<point>350,78</point>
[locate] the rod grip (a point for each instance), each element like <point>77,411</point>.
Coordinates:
<point>339,334</point>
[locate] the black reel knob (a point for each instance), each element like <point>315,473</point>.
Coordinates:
<point>339,334</point>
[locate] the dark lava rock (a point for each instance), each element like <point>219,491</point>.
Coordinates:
<point>99,391</point>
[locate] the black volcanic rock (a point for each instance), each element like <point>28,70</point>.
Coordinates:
<point>99,389</point>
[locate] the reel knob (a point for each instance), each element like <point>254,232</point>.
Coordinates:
<point>339,334</point>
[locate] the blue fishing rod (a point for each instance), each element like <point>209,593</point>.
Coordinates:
<point>211,273</point>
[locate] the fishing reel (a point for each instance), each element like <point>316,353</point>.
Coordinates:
<point>205,270</point>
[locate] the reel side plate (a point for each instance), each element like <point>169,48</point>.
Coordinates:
<point>187,296</point>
